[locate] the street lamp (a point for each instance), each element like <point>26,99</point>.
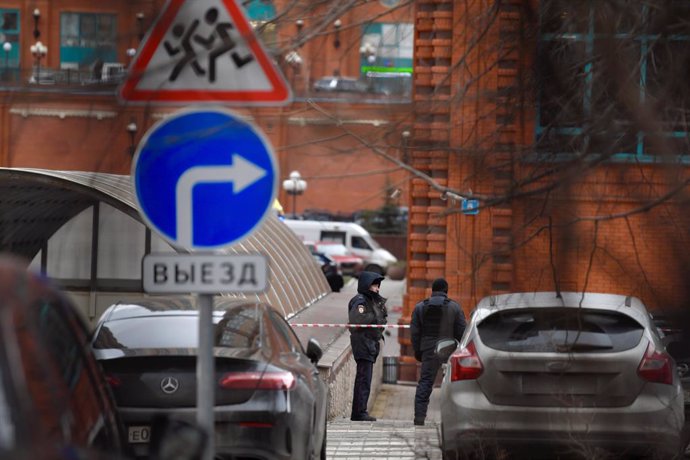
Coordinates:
<point>337,24</point>
<point>132,129</point>
<point>7,47</point>
<point>140,22</point>
<point>299,25</point>
<point>37,16</point>
<point>369,51</point>
<point>294,186</point>
<point>405,137</point>
<point>38,50</point>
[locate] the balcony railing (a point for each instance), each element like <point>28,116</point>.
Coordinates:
<point>46,77</point>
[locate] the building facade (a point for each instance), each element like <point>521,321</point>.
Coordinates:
<point>63,62</point>
<point>566,121</point>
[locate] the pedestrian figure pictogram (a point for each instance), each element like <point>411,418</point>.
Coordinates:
<point>221,30</point>
<point>204,51</point>
<point>184,34</point>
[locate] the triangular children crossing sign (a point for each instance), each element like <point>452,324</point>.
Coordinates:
<point>204,51</point>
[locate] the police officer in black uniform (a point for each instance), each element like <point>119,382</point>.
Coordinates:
<point>367,307</point>
<point>435,318</point>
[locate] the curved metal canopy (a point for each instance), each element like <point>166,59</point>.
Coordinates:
<point>35,203</point>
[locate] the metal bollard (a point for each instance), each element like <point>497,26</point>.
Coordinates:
<point>390,369</point>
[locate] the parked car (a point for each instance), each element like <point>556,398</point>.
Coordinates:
<point>269,401</point>
<point>545,373</point>
<point>340,84</point>
<point>330,270</point>
<point>53,396</point>
<point>348,263</point>
<point>55,403</point>
<point>355,238</point>
<point>674,329</point>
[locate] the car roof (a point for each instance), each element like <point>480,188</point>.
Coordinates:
<point>631,306</point>
<point>333,77</point>
<point>169,306</point>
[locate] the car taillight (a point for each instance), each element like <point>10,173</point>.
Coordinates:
<point>656,366</point>
<point>258,381</point>
<point>465,364</point>
<point>113,381</point>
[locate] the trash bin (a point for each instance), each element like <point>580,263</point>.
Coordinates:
<point>390,369</point>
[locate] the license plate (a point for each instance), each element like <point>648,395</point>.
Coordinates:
<point>139,434</point>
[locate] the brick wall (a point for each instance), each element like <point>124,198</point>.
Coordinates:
<point>531,242</point>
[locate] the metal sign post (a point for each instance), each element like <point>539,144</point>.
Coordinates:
<point>204,179</point>
<point>205,373</point>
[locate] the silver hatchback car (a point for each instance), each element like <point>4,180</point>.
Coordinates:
<point>572,374</point>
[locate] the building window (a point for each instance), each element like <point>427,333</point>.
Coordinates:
<point>387,48</point>
<point>260,10</point>
<point>261,14</point>
<point>602,64</point>
<point>386,57</point>
<point>9,33</point>
<point>87,39</point>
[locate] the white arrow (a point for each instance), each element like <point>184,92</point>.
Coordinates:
<point>242,173</point>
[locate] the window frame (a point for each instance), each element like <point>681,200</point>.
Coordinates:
<point>578,133</point>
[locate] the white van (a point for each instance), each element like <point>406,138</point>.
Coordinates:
<point>353,236</point>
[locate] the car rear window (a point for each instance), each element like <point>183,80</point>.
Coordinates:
<point>238,328</point>
<point>560,330</point>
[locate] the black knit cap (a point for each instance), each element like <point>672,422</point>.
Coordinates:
<point>439,285</point>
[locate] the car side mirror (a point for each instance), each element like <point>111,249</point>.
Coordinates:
<point>314,351</point>
<point>445,348</point>
<point>173,439</point>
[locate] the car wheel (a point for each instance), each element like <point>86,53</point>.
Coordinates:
<point>374,268</point>
<point>446,454</point>
<point>449,455</point>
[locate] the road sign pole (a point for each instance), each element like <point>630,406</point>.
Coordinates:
<point>205,373</point>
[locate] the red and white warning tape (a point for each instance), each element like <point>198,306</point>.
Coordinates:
<point>399,326</point>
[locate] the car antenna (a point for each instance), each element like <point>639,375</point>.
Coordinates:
<point>628,301</point>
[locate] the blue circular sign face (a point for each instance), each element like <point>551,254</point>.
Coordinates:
<point>204,178</point>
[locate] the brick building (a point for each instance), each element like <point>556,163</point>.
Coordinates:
<point>566,120</point>
<point>517,103</point>
<point>59,107</point>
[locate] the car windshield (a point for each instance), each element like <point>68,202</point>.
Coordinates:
<point>333,249</point>
<point>560,330</point>
<point>238,328</point>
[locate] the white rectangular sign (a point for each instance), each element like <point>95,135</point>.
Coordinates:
<point>204,274</point>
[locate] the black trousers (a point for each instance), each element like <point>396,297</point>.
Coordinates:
<point>360,397</point>
<point>430,367</point>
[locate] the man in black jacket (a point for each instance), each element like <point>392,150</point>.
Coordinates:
<point>435,318</point>
<point>367,307</point>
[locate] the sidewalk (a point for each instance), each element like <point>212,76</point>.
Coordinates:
<point>393,436</point>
